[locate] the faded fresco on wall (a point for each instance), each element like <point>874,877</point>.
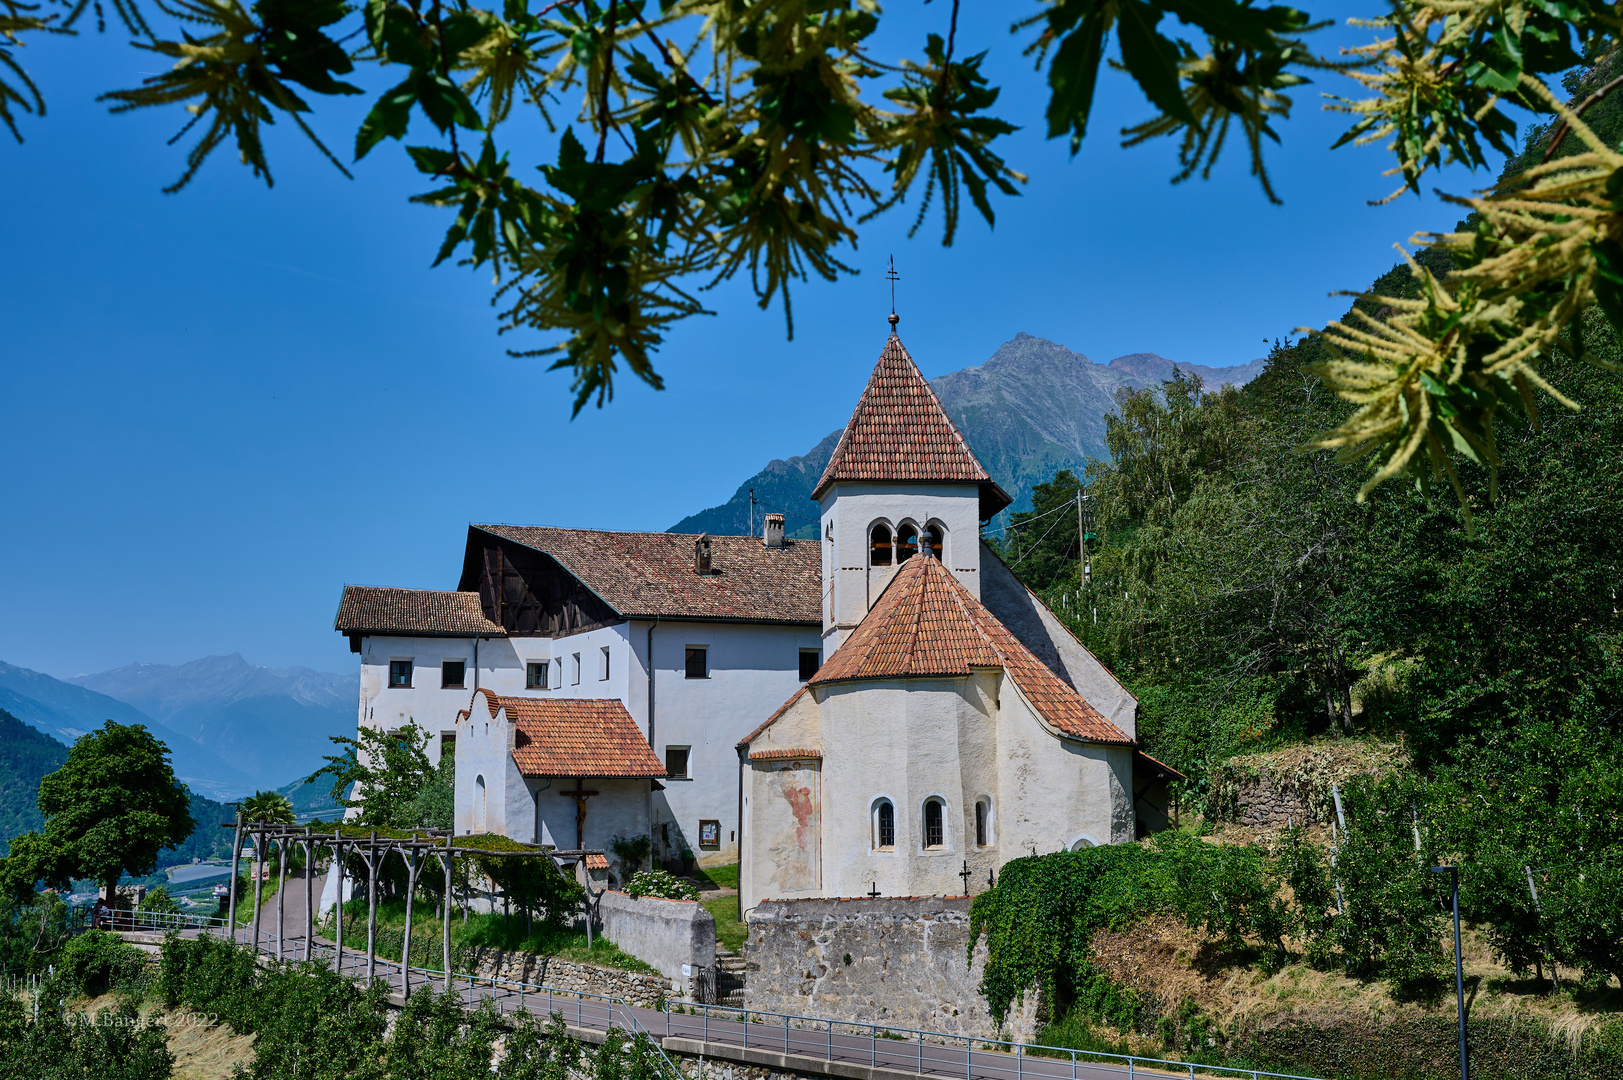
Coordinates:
<point>792,794</point>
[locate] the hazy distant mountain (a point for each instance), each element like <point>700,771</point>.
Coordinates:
<point>1033,408</point>
<point>272,724</point>
<point>66,711</point>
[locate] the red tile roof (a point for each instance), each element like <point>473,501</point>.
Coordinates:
<point>643,575</point>
<point>791,753</point>
<point>373,610</point>
<point>926,623</point>
<point>899,431</point>
<point>574,737</point>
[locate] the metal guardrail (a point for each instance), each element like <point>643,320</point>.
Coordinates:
<point>881,1039</point>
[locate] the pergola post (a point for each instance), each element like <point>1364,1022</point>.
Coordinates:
<point>259,861</point>
<point>236,864</point>
<point>414,863</point>
<point>338,868</point>
<point>281,892</point>
<point>309,896</point>
<point>372,864</point>
<point>445,931</point>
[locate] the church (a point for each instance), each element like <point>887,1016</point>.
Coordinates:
<point>956,723</point>
<point>883,707</point>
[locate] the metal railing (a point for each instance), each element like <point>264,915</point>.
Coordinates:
<point>830,1040</point>
<point>140,920</point>
<point>947,1065</point>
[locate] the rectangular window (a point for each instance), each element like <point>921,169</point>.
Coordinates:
<point>400,673</point>
<point>558,674</point>
<point>603,670</point>
<point>810,661</point>
<point>980,824</point>
<point>698,666</point>
<point>448,747</point>
<point>535,674</point>
<point>452,674</point>
<point>676,762</point>
<point>577,669</point>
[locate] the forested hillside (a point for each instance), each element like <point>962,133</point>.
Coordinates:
<point>26,755</point>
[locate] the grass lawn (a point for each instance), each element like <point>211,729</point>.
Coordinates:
<point>480,931</point>
<point>722,877</point>
<point>729,931</point>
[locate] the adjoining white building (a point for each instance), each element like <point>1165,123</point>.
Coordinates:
<point>568,773</point>
<point>956,723</point>
<point>732,624</point>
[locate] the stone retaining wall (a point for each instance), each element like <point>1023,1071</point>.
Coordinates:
<point>637,988</point>
<point>890,961</point>
<point>1257,802</point>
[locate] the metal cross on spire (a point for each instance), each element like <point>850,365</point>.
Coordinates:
<point>893,277</point>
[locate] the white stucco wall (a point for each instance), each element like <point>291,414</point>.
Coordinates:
<point>425,703</point>
<point>849,511</point>
<point>809,823</point>
<point>533,809</point>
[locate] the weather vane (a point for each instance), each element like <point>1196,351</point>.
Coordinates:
<point>893,277</point>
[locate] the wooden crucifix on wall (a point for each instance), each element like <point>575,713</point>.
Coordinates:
<point>580,795</point>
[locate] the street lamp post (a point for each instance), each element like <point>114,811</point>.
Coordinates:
<point>1453,873</point>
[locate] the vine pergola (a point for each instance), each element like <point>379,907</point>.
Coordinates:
<point>372,846</point>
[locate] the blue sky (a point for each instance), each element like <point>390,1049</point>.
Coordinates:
<point>220,406</point>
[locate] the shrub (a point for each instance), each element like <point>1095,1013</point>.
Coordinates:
<point>97,961</point>
<point>159,901</point>
<point>662,884</point>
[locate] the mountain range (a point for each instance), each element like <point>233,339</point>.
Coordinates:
<point>1033,408</point>
<point>231,727</point>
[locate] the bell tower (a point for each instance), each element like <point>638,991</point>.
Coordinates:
<point>902,484</point>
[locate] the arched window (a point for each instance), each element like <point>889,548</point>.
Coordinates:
<point>880,554</point>
<point>479,823</point>
<point>1081,843</point>
<point>983,822</point>
<point>932,540</point>
<point>934,834</point>
<point>884,825</point>
<point>907,543</point>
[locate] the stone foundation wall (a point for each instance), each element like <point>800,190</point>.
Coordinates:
<point>637,988</point>
<point>890,961</point>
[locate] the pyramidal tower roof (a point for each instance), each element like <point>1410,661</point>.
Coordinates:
<point>900,432</point>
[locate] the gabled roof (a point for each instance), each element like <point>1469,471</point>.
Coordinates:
<point>574,736</point>
<point>646,575</point>
<point>927,623</point>
<point>367,609</point>
<point>899,431</point>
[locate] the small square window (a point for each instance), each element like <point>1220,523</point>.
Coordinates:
<point>698,663</point>
<point>577,669</point>
<point>810,661</point>
<point>676,762</point>
<point>603,671</point>
<point>448,746</point>
<point>400,673</point>
<point>535,674</point>
<point>452,672</point>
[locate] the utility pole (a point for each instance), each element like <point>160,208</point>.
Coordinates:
<point>1084,522</point>
<point>1459,971</point>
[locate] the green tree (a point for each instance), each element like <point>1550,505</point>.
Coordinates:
<point>270,807</point>
<point>109,810</point>
<point>386,774</point>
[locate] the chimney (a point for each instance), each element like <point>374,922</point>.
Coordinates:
<point>701,555</point>
<point>773,535</point>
